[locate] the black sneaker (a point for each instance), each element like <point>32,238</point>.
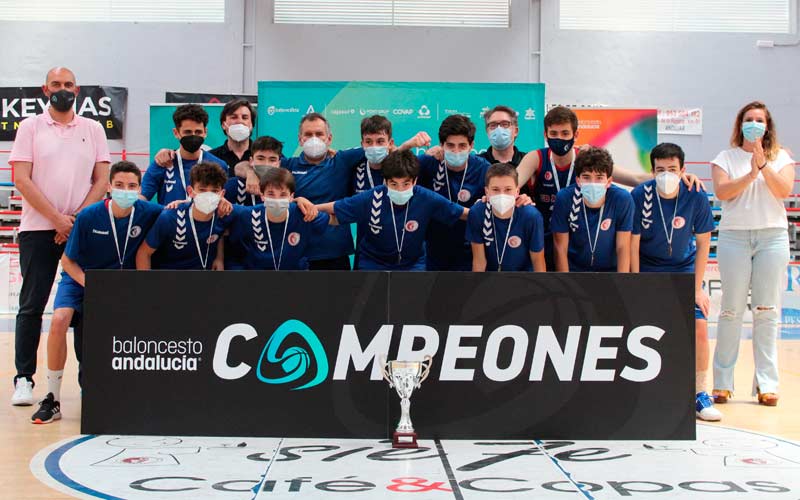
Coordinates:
<point>49,410</point>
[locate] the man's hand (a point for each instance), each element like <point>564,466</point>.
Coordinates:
<point>174,204</point>
<point>523,200</point>
<point>224,208</point>
<point>421,139</point>
<point>331,152</point>
<point>60,239</point>
<point>218,265</point>
<point>702,300</point>
<point>63,224</point>
<point>437,152</point>
<point>164,158</point>
<point>308,209</point>
<point>253,183</point>
<point>693,182</point>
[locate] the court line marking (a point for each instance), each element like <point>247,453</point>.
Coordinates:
<point>449,471</point>
<point>578,486</point>
<point>257,487</point>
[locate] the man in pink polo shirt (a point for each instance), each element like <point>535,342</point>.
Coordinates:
<point>61,165</point>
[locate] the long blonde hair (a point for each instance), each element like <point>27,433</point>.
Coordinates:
<point>770,139</point>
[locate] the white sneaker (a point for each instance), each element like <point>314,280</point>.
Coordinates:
<point>23,393</point>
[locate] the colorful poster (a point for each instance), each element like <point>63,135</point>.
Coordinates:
<point>411,106</point>
<point>628,134</point>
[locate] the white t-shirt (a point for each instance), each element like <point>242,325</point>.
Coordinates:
<point>755,207</point>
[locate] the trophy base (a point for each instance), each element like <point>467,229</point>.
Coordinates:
<point>404,440</point>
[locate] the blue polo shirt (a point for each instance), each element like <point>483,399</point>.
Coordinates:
<point>511,246</point>
<point>655,216</point>
<point>166,183</point>
<point>386,226</point>
<point>570,215</point>
<point>323,183</point>
<point>447,247</point>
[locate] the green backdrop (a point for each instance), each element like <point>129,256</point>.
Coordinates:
<point>411,106</point>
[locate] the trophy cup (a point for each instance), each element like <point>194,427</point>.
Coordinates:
<point>405,376</point>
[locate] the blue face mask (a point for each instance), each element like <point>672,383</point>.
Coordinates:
<point>376,154</point>
<point>593,192</point>
<point>500,138</point>
<point>753,131</point>
<point>124,198</point>
<point>456,159</point>
<point>400,197</point>
<point>560,147</point>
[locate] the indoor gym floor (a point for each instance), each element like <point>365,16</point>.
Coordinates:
<point>754,453</point>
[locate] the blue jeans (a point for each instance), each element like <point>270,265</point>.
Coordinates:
<point>755,261</point>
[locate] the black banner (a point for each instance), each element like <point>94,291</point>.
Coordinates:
<point>193,98</point>
<point>106,105</point>
<point>515,355</point>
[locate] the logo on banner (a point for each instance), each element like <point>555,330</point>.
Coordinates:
<point>278,363</point>
<point>155,355</point>
<point>294,361</point>
<point>424,112</point>
<point>530,114</point>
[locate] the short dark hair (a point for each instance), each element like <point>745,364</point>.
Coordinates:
<point>266,143</point>
<point>457,125</point>
<point>209,174</point>
<point>231,106</point>
<point>277,177</point>
<point>193,112</point>
<point>376,124</point>
<point>400,165</point>
<point>502,170</point>
<point>314,117</point>
<point>665,151</point>
<point>560,115</point>
<point>125,166</point>
<point>502,109</point>
<point>594,159</point>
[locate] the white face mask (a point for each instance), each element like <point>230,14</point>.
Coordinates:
<point>667,182</point>
<point>207,202</point>
<point>502,202</point>
<point>315,147</point>
<point>239,132</point>
<point>277,206</point>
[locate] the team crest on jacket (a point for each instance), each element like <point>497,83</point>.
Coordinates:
<point>605,224</point>
<point>412,226</point>
<point>514,242</point>
<point>293,239</point>
<point>678,222</point>
<point>135,231</point>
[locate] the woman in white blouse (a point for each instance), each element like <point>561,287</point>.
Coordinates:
<point>751,180</point>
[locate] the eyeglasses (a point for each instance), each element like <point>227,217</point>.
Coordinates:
<point>494,125</point>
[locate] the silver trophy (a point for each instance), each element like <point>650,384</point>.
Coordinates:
<point>405,376</point>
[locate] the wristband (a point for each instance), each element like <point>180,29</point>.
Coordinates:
<point>762,166</point>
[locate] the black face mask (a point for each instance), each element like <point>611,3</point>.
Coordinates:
<point>192,143</point>
<point>560,146</point>
<point>62,100</point>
